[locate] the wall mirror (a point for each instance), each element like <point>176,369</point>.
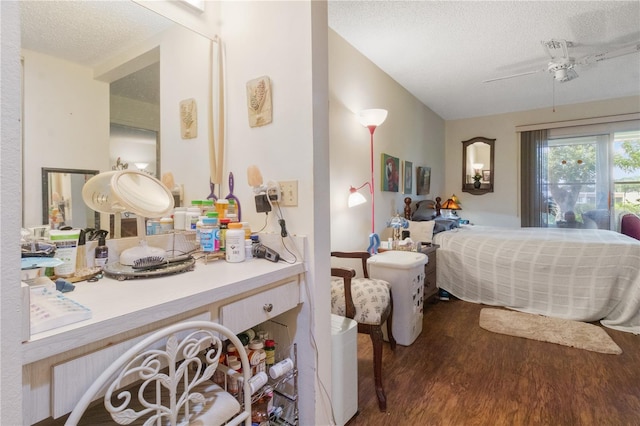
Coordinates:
<point>62,199</point>
<point>92,66</point>
<point>477,165</point>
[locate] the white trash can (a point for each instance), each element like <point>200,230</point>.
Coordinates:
<point>344,371</point>
<point>404,270</point>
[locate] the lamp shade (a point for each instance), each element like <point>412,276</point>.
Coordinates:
<point>450,205</point>
<point>372,117</point>
<point>355,198</point>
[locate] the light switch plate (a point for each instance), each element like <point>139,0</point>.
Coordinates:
<point>289,193</point>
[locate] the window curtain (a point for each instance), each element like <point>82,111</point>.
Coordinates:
<point>534,205</point>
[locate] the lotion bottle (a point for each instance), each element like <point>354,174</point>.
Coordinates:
<point>101,253</point>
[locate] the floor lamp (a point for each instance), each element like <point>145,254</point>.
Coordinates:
<point>371,119</point>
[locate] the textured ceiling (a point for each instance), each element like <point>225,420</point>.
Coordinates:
<point>89,32</point>
<point>441,51</point>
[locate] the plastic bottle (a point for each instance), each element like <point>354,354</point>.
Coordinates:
<point>199,224</point>
<point>207,206</point>
<point>191,218</point>
<point>234,243</point>
<point>257,357</point>
<point>247,230</point>
<point>208,231</point>
<point>270,352</point>
<point>101,253</point>
<point>221,208</point>
<point>258,381</point>
<point>224,225</point>
<point>179,217</point>
<point>281,368</point>
<point>233,380</point>
<point>166,225</point>
<point>214,215</point>
<point>248,250</point>
<point>232,210</point>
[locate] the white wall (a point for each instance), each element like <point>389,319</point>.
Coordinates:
<point>66,123</point>
<point>286,41</point>
<point>411,132</point>
<point>10,192</point>
<point>501,207</point>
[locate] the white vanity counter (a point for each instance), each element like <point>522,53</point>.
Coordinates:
<point>234,294</point>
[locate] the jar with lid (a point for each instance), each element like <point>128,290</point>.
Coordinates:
<point>232,351</point>
<point>247,230</point>
<point>270,352</point>
<point>191,218</point>
<point>232,208</point>
<point>199,224</point>
<point>233,380</point>
<point>166,225</point>
<point>224,225</point>
<point>257,357</point>
<point>208,234</point>
<point>179,215</point>
<point>234,243</point>
<point>207,206</point>
<point>221,207</point>
<point>248,250</point>
<point>261,407</point>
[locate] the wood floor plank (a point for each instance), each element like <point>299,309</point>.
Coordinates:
<point>456,373</point>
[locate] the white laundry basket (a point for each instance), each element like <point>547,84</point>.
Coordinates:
<point>344,371</point>
<point>404,270</point>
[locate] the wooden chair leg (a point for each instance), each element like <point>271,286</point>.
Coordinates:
<point>377,340</point>
<point>392,340</point>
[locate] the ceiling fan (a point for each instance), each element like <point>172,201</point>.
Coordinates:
<point>562,66</point>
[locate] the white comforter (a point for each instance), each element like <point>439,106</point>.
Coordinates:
<point>579,274</point>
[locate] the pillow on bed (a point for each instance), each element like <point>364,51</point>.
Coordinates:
<point>442,225</point>
<point>421,231</point>
<point>425,210</point>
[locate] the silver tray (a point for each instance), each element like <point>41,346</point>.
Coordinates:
<point>124,272</point>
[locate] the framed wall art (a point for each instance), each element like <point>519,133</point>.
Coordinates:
<point>390,173</point>
<point>259,101</point>
<point>188,119</point>
<point>423,180</point>
<point>407,173</point>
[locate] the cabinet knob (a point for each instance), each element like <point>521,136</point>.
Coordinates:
<point>268,307</point>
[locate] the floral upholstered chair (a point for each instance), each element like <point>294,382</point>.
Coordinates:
<point>368,301</point>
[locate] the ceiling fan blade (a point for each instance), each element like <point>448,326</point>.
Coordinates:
<point>557,48</point>
<point>514,75</point>
<point>599,57</point>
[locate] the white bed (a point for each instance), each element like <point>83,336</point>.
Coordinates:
<point>579,274</point>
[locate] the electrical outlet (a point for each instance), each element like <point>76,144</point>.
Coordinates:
<point>289,193</point>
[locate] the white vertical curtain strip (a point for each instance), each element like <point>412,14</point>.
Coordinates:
<point>216,100</point>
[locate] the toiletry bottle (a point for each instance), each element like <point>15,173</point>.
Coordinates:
<point>101,253</point>
<point>81,256</point>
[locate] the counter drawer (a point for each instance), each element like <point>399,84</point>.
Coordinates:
<point>258,308</point>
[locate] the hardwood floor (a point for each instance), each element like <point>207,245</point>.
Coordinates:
<point>456,373</point>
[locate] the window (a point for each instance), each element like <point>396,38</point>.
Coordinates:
<point>580,177</point>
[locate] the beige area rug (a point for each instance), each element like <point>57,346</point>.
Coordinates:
<point>546,329</point>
